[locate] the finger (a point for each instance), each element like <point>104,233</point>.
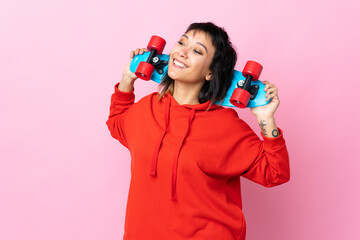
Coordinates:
<point>271,94</point>
<point>132,54</point>
<point>268,86</point>
<point>137,51</point>
<point>271,91</point>
<point>274,98</point>
<point>268,97</point>
<point>271,88</point>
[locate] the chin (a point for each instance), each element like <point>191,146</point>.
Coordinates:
<point>171,74</point>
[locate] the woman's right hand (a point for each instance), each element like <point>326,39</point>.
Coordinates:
<point>129,76</point>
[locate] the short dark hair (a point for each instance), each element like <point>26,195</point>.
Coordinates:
<point>221,67</point>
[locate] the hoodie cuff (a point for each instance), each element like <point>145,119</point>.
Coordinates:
<point>274,143</point>
<point>124,96</point>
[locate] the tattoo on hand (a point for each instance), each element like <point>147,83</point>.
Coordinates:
<point>275,133</point>
<point>262,125</point>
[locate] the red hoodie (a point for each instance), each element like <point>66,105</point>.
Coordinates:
<point>186,164</point>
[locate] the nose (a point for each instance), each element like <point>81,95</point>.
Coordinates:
<point>183,52</point>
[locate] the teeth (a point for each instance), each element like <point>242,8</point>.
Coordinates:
<point>179,64</point>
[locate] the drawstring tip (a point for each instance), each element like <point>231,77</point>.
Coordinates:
<point>153,173</point>
<point>173,198</point>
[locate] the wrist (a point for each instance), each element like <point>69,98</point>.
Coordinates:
<point>268,126</point>
<point>266,117</point>
<point>128,80</point>
<point>126,85</point>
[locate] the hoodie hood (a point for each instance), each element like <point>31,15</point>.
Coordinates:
<point>169,102</point>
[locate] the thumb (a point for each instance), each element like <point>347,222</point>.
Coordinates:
<point>132,55</point>
<point>127,71</point>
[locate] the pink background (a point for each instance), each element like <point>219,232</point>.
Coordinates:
<point>62,176</point>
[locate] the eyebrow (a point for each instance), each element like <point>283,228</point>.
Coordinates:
<point>197,42</point>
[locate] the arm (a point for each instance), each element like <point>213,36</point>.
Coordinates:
<point>268,126</point>
<point>265,114</point>
<point>120,103</point>
<point>271,166</point>
<point>128,79</point>
<point>121,100</point>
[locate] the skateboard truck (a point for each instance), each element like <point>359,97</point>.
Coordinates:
<point>145,69</point>
<point>245,91</point>
<point>158,64</point>
<point>253,90</point>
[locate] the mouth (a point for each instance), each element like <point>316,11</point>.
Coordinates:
<point>179,64</point>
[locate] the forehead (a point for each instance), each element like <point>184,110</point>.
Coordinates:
<point>200,36</point>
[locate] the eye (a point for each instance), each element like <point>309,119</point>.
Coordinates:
<point>181,43</point>
<point>197,52</point>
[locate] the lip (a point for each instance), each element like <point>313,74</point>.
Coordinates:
<point>173,62</point>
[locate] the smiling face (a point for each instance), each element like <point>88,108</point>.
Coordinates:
<point>191,57</point>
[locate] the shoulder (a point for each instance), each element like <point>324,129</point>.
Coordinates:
<point>145,100</point>
<point>228,115</point>
<point>140,106</point>
<point>225,119</point>
<point>150,97</point>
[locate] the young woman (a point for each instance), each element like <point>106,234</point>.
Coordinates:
<point>187,153</point>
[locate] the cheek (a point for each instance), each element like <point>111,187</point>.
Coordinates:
<point>174,49</point>
<point>205,66</point>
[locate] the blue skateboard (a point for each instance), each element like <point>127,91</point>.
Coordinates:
<point>245,90</point>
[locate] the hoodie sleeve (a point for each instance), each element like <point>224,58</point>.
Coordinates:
<point>268,159</point>
<point>120,103</point>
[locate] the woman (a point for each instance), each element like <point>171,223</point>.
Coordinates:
<point>187,153</point>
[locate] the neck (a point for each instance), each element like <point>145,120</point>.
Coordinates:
<point>186,94</point>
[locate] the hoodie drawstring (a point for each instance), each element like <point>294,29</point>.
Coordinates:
<point>153,169</point>
<point>176,157</point>
<point>158,145</point>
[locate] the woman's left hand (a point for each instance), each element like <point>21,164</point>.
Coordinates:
<point>269,109</point>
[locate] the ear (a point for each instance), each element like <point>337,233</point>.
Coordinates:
<point>208,76</point>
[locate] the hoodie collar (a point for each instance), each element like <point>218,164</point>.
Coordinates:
<point>197,107</point>
<point>169,100</point>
